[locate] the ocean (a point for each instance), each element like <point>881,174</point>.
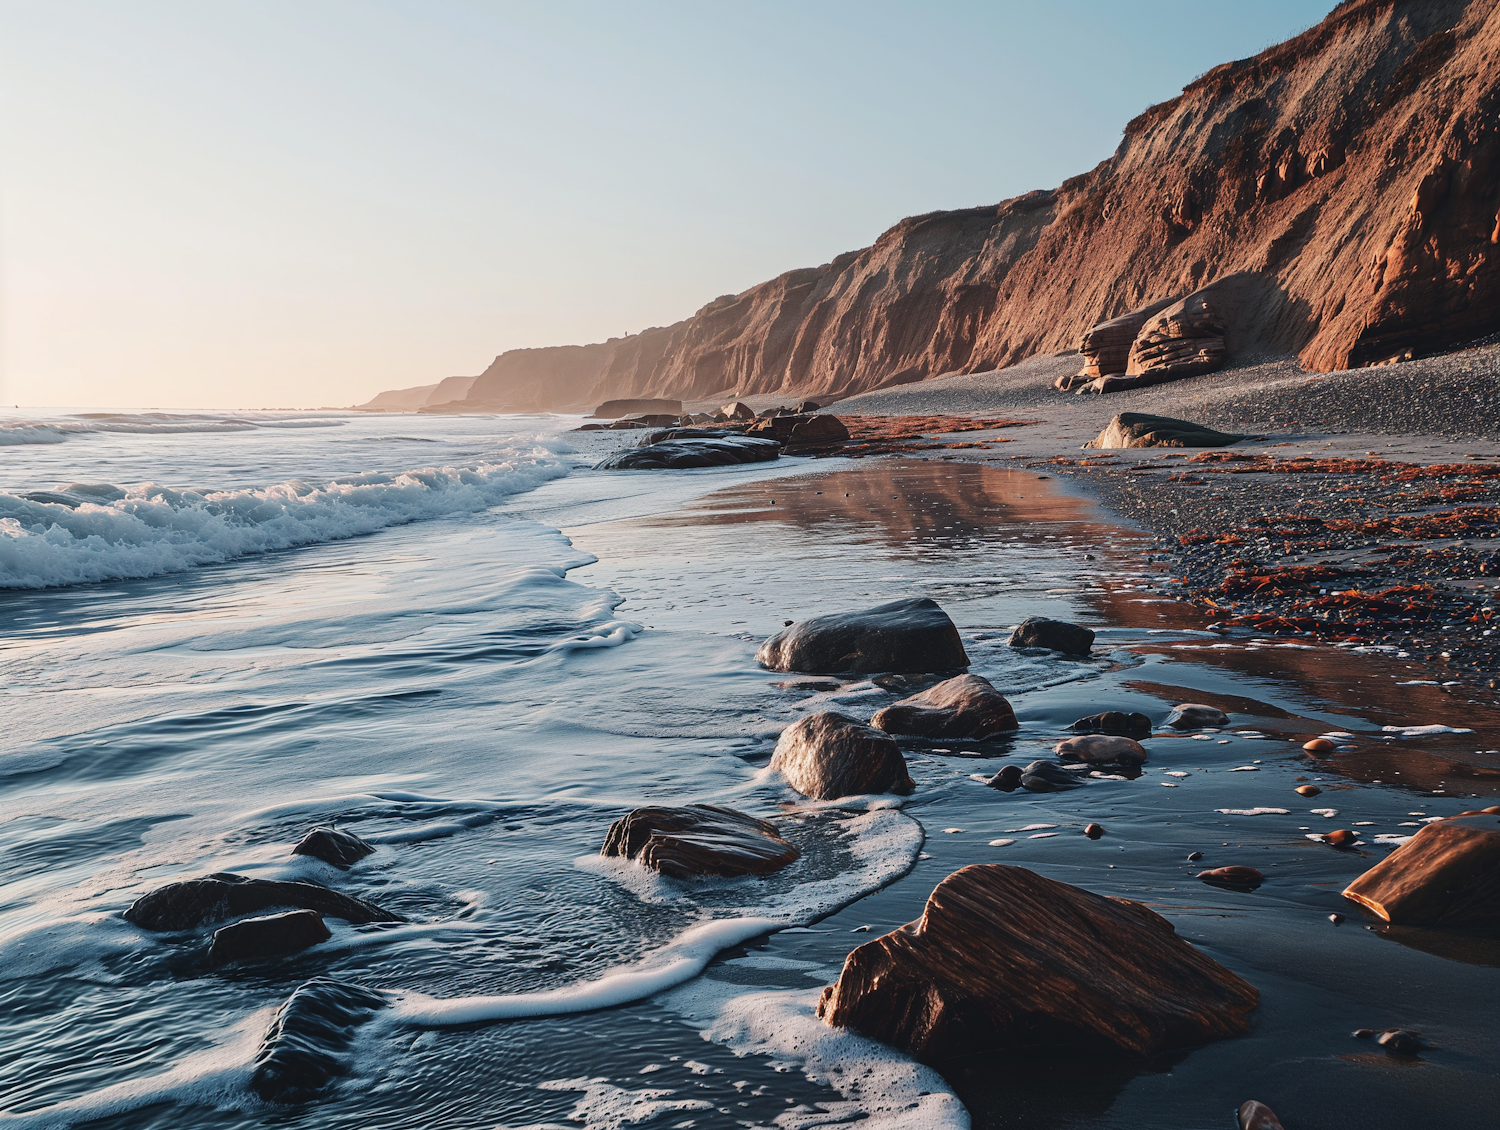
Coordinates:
<point>455,638</point>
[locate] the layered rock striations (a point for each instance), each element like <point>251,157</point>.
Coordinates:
<point>1350,175</point>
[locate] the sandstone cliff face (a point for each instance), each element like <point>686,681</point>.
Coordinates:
<point>1354,170</point>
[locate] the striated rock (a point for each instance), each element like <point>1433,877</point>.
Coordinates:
<point>1106,345</point>
<point>966,706</point>
<point>905,636</point>
<point>1059,635</point>
<point>1447,875</point>
<point>1234,878</point>
<point>650,406</point>
<point>1138,429</point>
<point>1045,777</point>
<point>1254,1115</point>
<point>1184,340</point>
<point>342,849</point>
<point>693,451</point>
<point>698,839</point>
<point>827,756</point>
<point>301,1053</point>
<point>263,939</point>
<point>1003,958</point>
<point>1196,716</point>
<point>1134,725</point>
<point>1102,748</point>
<point>194,902</point>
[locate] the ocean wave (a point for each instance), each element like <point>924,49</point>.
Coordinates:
<point>88,532</point>
<point>16,431</point>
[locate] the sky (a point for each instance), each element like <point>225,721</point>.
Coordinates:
<point>270,204</point>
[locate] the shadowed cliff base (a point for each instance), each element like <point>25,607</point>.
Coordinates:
<point>1350,170</point>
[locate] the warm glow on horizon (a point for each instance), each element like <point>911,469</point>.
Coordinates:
<point>278,205</point>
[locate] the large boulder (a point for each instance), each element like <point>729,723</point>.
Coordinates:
<point>613,409</point>
<point>966,706</point>
<point>1106,346</point>
<point>1183,340</point>
<point>267,938</point>
<point>818,431</point>
<point>698,839</point>
<point>910,636</point>
<point>737,410</point>
<point>827,756</point>
<point>1448,874</point>
<point>194,902</point>
<point>1058,635</point>
<point>303,1051</point>
<point>1140,429</point>
<point>331,845</point>
<point>1004,959</point>
<point>684,449</point>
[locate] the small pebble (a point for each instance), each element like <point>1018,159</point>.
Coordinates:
<point>1194,856</point>
<point>1364,1033</point>
<point>1318,745</point>
<point>1340,837</point>
<point>1094,831</point>
<point>1335,918</point>
<point>1308,790</point>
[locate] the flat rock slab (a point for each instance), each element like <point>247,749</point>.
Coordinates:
<point>342,849</point>
<point>712,451</point>
<point>182,906</point>
<point>966,706</point>
<point>827,756</point>
<point>909,637</point>
<point>1003,958</point>
<point>698,839</point>
<point>267,938</point>
<point>1448,875</point>
<point>1140,429</point>
<point>1058,635</point>
<point>301,1054</point>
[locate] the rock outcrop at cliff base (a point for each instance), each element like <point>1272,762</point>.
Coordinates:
<point>1352,174</point>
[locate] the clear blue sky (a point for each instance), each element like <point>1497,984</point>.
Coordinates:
<point>260,203</point>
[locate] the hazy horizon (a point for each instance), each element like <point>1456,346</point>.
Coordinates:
<point>276,206</point>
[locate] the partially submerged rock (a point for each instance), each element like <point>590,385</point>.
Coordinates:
<point>1045,777</point>
<point>1101,749</point>
<point>826,756</point>
<point>905,636</point>
<point>1058,635</point>
<point>194,902</point>
<point>1233,877</point>
<point>1139,429</point>
<point>301,1053</point>
<point>698,839</point>
<point>332,845</point>
<point>1447,875</point>
<point>1132,725</point>
<point>1003,958</point>
<point>1196,716</point>
<point>1254,1115</point>
<point>267,938</point>
<point>966,706</point>
<point>705,449</point>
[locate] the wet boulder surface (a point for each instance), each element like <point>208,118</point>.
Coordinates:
<point>267,938</point>
<point>1102,749</point>
<point>699,839</point>
<point>1196,716</point>
<point>693,447</point>
<point>1447,875</point>
<point>196,902</point>
<point>826,756</point>
<point>1056,635</point>
<point>303,1052</point>
<point>911,636</point>
<point>966,706</point>
<point>1003,959</point>
<point>332,845</point>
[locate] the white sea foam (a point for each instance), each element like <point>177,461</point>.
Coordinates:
<point>147,530</point>
<point>56,430</point>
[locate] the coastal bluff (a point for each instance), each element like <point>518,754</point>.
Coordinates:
<point>1350,173</point>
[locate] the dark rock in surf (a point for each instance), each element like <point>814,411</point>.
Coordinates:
<point>302,1052</point>
<point>1254,1115</point>
<point>1004,958</point>
<point>1404,1042</point>
<point>1134,725</point>
<point>1233,878</point>
<point>699,839</point>
<point>1196,716</point>
<point>693,451</point>
<point>268,938</point>
<point>1045,777</point>
<point>194,902</point>
<point>1058,635</point>
<point>342,849</point>
<point>910,636</point>
<point>827,756</point>
<point>1008,780</point>
<point>1102,749</point>
<point>966,706</point>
